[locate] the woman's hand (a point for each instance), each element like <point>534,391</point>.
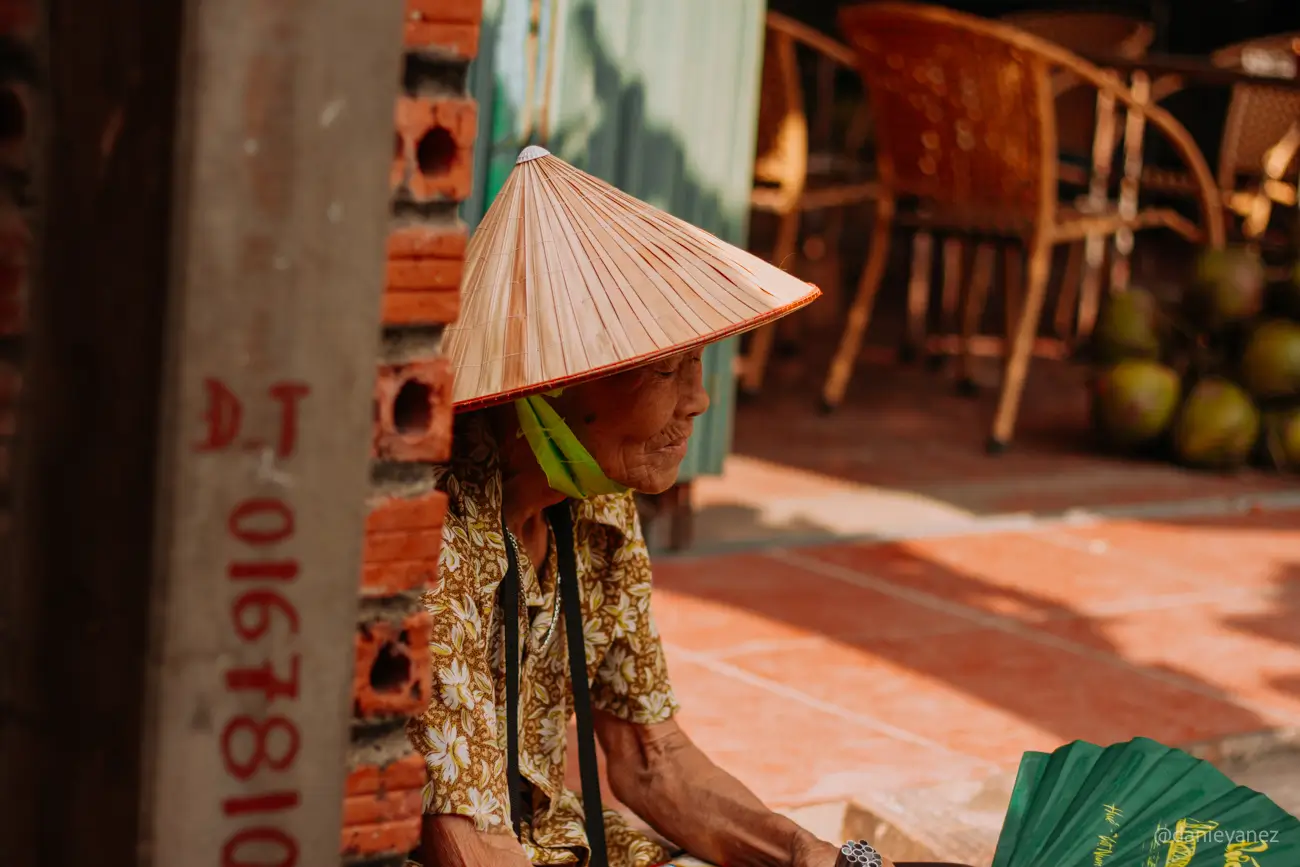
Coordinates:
<point>809,851</point>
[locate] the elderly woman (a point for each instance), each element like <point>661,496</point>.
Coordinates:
<point>578,381</point>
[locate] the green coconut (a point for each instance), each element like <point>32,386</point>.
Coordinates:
<point>1128,327</point>
<point>1282,439</point>
<point>1270,364</point>
<point>1134,402</point>
<point>1217,426</point>
<point>1228,288</point>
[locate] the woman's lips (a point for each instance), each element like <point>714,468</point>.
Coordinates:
<point>677,447</point>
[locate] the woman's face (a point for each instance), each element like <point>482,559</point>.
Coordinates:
<point>636,423</point>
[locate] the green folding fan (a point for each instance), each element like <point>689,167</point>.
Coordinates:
<point>1139,804</point>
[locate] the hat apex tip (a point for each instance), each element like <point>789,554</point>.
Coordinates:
<point>532,152</point>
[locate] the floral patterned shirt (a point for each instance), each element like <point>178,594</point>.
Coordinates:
<point>462,734</point>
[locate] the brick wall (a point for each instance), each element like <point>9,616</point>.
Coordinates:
<point>435,123</point>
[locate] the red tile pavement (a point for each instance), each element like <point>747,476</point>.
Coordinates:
<point>1242,550</point>
<point>827,673</point>
<point>780,605</point>
<point>793,750</point>
<point>1022,575</point>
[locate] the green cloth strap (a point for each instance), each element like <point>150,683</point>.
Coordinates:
<point>569,467</point>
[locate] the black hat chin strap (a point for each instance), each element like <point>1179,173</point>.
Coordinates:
<point>561,520</point>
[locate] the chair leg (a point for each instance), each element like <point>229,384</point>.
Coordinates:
<point>954,255</point>
<point>846,356</point>
<point>1090,288</point>
<point>1013,289</point>
<point>974,299</point>
<point>1067,304</point>
<point>918,295</point>
<point>760,347</point>
<point>1022,346</point>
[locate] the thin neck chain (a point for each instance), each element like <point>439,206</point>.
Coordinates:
<point>555,612</point>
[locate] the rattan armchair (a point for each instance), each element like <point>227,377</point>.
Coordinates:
<point>786,183</point>
<point>966,128</point>
<point>1261,137</point>
<point>1086,138</point>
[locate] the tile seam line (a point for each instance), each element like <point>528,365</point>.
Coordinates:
<point>776,688</point>
<point>1012,627</point>
<point>811,639</point>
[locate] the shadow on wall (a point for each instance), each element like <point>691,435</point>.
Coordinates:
<point>613,138</point>
<point>626,148</point>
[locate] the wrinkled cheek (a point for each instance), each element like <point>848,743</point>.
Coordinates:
<point>637,467</point>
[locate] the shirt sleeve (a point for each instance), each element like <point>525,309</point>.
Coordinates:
<point>632,680</point>
<point>458,732</point>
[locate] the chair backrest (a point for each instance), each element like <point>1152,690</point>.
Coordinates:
<point>782,142</point>
<point>963,106</point>
<point>1258,115</point>
<point>1085,33</point>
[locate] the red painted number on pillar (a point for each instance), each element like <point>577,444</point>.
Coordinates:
<point>223,417</point>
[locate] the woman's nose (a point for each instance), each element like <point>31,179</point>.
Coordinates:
<point>696,399</point>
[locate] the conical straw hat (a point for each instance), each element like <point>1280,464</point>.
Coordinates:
<point>568,279</point>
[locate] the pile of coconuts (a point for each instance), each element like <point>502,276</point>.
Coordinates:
<point>1210,379</point>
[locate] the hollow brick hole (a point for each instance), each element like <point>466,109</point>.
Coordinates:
<point>391,670</point>
<point>436,151</point>
<point>413,408</point>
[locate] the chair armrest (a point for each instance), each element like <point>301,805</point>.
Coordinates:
<point>1207,192</point>
<point>814,39</point>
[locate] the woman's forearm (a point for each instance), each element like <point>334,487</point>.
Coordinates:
<point>453,841</point>
<point>665,779</point>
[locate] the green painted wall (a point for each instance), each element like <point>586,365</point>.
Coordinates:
<point>659,98</point>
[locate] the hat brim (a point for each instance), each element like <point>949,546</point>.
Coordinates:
<point>632,363</point>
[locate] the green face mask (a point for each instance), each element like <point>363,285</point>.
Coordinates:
<point>569,467</point>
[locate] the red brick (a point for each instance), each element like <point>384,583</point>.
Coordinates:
<point>420,308</point>
<point>466,11</point>
<point>424,275</point>
<point>378,794</point>
<point>413,412</point>
<point>388,579</point>
<point>422,291</point>
<point>425,265</point>
<point>441,168</point>
<point>382,838</point>
<point>406,513</point>
<point>407,772</point>
<point>382,806</point>
<point>403,545</point>
<point>458,40</point>
<point>391,677</point>
<point>428,242</point>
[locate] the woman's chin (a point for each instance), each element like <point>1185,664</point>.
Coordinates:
<point>653,489</point>
<point>657,482</point>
